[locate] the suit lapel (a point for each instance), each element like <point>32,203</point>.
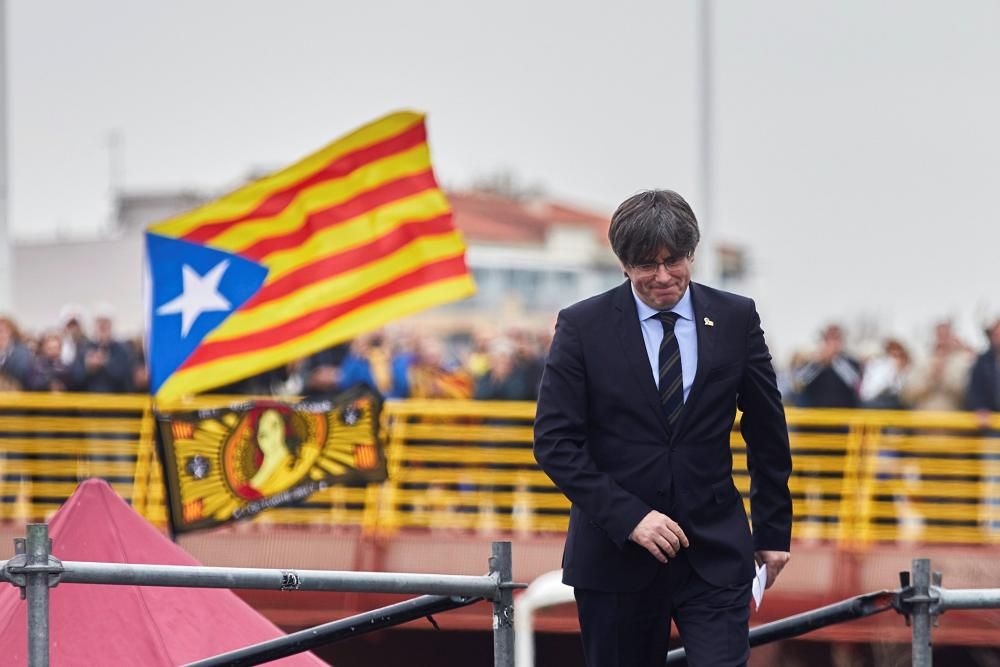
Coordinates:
<point>706,347</point>
<point>630,337</point>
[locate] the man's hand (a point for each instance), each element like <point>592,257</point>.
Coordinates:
<point>95,360</point>
<point>659,535</point>
<point>775,561</point>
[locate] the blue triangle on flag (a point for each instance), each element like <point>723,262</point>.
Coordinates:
<point>193,289</point>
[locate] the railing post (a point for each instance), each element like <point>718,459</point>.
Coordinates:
<point>920,612</point>
<point>37,593</point>
<point>503,606</point>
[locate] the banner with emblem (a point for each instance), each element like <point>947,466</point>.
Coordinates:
<point>232,463</point>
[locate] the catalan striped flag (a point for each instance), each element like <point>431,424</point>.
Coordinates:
<point>352,237</point>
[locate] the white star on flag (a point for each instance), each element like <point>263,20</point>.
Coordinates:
<point>200,295</point>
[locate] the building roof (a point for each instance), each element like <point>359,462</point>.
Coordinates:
<point>491,218</point>
<point>483,217</point>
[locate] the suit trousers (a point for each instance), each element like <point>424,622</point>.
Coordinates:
<point>633,629</point>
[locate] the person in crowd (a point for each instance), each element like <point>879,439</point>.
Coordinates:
<point>478,361</point>
<point>432,375</point>
<point>321,371</point>
<point>288,380</point>
<point>939,381</point>
<point>505,380</point>
<point>404,355</point>
<point>74,343</point>
<point>787,374</point>
<point>105,365</point>
<point>15,359</point>
<point>140,373</point>
<point>831,378</point>
<point>528,361</point>
<point>369,362</point>
<point>48,371</point>
<point>983,391</point>
<point>636,407</point>
<point>884,377</point>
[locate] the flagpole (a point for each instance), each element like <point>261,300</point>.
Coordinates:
<point>706,209</point>
<point>6,264</point>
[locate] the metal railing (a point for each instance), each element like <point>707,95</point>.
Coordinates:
<point>34,570</point>
<point>920,600</point>
<point>860,476</point>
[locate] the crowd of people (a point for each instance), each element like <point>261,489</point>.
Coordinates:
<point>400,364</point>
<point>504,365</point>
<point>951,375</point>
<point>76,357</point>
<point>68,358</point>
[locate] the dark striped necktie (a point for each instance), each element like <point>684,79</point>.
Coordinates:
<point>671,376</point>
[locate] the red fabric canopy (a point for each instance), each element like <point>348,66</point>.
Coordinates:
<point>93,624</point>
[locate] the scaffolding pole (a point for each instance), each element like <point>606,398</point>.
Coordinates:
<point>78,572</point>
<point>34,570</point>
<point>353,626</point>
<point>503,606</point>
<point>37,591</point>
<point>918,602</point>
<point>800,624</point>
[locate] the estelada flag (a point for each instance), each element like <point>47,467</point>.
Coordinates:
<point>348,239</point>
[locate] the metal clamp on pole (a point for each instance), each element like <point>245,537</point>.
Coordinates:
<point>34,571</point>
<point>16,569</point>
<point>918,602</point>
<point>905,590</point>
<point>503,605</point>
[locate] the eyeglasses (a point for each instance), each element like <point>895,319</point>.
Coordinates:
<point>670,263</point>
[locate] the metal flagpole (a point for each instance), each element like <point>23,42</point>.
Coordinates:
<point>6,260</point>
<point>705,209</point>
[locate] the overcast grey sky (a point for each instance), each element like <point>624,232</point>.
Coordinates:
<point>858,143</point>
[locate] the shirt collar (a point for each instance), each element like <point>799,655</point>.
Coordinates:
<point>684,307</point>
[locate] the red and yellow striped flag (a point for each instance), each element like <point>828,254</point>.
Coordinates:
<point>350,238</point>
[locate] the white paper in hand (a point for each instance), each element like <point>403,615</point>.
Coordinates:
<point>759,584</point>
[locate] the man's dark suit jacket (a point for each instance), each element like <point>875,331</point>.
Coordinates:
<point>982,393</point>
<point>602,436</point>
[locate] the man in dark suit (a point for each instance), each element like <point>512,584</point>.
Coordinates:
<point>983,393</point>
<point>636,405</point>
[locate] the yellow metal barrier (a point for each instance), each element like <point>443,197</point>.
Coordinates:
<point>859,476</point>
<point>50,442</point>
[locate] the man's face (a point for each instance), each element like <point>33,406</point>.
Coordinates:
<point>833,338</point>
<point>661,282</point>
<point>102,325</point>
<point>51,346</point>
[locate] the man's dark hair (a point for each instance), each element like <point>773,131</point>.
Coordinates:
<point>649,221</point>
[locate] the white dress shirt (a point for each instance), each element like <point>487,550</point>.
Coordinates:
<point>684,330</point>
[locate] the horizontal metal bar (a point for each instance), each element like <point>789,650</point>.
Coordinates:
<point>799,624</point>
<point>965,598</point>
<point>75,572</point>
<point>328,633</point>
<point>846,610</point>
